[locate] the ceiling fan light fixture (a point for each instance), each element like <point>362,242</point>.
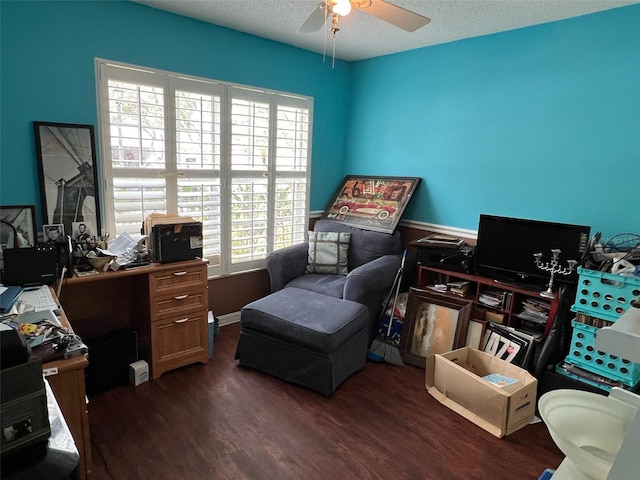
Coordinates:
<point>341,7</point>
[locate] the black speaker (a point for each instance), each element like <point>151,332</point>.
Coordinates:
<point>30,266</point>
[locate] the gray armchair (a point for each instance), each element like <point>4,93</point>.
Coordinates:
<point>373,260</point>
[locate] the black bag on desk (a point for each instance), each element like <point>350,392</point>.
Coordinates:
<point>176,242</point>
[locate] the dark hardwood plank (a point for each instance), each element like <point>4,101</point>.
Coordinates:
<point>222,421</point>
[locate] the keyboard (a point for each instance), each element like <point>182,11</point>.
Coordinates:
<point>40,298</point>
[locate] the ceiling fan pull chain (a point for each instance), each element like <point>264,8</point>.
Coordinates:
<point>333,54</point>
<point>324,46</point>
<point>334,29</point>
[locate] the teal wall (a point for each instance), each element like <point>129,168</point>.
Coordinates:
<point>47,74</point>
<point>541,122</point>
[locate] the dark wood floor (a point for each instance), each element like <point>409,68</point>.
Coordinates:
<point>221,421</point>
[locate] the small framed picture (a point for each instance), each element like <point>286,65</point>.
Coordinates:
<point>475,332</point>
<point>82,232</point>
<point>53,233</point>
<point>17,227</point>
<point>434,323</point>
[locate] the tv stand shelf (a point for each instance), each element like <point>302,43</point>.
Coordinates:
<point>493,301</point>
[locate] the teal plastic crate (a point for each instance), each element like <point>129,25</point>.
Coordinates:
<point>605,295</point>
<point>582,353</point>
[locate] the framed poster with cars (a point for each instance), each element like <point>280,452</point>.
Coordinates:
<point>371,203</point>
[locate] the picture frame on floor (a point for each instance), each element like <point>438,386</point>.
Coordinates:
<point>434,323</point>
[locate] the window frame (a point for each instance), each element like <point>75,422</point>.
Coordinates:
<point>170,82</point>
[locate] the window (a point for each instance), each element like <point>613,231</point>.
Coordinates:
<point>235,158</point>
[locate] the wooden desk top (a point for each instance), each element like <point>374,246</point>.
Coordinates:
<point>67,364</point>
<point>129,272</point>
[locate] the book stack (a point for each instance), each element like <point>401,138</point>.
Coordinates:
<point>460,288</point>
<point>495,298</point>
<point>438,287</point>
<point>535,312</point>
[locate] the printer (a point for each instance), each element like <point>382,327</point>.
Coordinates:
<point>176,242</point>
<point>442,251</point>
<point>173,238</point>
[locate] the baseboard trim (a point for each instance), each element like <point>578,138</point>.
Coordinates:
<point>229,319</point>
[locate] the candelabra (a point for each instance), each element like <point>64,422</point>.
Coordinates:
<point>554,268</point>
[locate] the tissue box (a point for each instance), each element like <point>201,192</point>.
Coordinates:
<point>138,372</point>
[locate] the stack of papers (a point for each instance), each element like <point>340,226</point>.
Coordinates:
<point>37,299</point>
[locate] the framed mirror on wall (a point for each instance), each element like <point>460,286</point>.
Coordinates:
<point>68,176</point>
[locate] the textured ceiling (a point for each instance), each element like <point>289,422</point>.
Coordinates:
<point>364,36</point>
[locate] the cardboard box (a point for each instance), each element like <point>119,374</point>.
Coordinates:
<point>455,380</point>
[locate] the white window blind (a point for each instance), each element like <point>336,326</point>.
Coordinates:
<point>235,158</point>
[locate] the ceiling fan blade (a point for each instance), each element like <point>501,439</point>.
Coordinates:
<point>398,16</point>
<point>315,21</point>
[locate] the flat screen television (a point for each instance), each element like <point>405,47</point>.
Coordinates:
<point>505,247</point>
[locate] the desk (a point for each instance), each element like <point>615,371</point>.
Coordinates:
<point>66,378</point>
<point>166,304</point>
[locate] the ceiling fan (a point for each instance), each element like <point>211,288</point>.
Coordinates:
<point>398,16</point>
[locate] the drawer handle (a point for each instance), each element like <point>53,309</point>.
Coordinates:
<point>180,297</point>
<point>181,321</point>
<point>179,274</point>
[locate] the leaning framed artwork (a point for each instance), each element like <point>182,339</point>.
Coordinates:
<point>434,323</point>
<point>371,203</point>
<point>68,175</point>
<point>17,227</point>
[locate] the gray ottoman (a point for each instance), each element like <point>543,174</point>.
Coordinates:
<point>304,338</point>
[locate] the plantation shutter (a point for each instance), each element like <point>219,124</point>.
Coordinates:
<point>232,157</point>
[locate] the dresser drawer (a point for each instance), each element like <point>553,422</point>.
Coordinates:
<point>179,302</point>
<point>179,341</point>
<point>180,278</point>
